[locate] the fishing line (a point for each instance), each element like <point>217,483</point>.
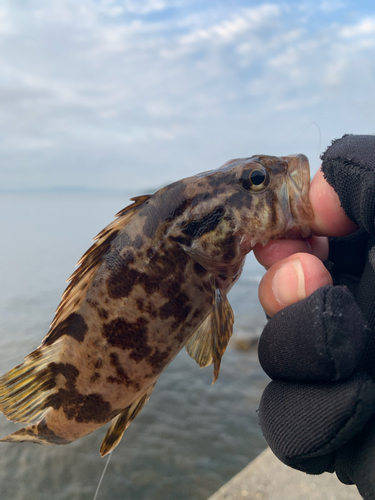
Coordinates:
<point>320,136</point>
<point>102,476</point>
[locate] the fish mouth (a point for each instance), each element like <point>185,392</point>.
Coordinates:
<point>298,184</point>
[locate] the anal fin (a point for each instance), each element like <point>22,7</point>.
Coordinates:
<point>120,423</point>
<point>38,433</point>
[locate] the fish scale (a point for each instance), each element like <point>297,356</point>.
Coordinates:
<point>155,280</point>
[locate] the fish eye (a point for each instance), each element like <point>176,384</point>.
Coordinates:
<point>255,179</point>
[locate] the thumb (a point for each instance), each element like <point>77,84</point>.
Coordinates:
<point>290,280</point>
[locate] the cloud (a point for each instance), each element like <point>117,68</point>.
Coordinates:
<point>6,25</point>
<point>26,144</point>
<point>364,27</point>
<point>144,7</point>
<point>297,103</point>
<point>226,31</point>
<point>144,89</point>
<point>329,6</point>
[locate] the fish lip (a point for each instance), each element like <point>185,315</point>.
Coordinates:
<point>299,173</point>
<point>298,185</point>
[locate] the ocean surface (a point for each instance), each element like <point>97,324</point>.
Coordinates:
<point>190,438</point>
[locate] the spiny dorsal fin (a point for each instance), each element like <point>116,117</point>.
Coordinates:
<point>89,264</point>
<point>120,423</point>
<point>211,338</point>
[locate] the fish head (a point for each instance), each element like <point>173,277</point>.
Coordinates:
<point>245,202</point>
<point>279,191</point>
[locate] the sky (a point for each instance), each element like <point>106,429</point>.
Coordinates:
<point>133,94</point>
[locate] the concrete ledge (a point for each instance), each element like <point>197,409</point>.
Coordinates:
<point>266,478</point>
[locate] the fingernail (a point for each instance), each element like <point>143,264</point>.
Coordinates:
<point>288,284</point>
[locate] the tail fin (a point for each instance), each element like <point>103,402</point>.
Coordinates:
<point>25,389</point>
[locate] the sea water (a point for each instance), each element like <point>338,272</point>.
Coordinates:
<point>190,438</point>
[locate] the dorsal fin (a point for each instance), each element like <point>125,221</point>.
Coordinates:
<point>89,263</point>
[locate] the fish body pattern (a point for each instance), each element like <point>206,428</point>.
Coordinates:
<point>155,280</point>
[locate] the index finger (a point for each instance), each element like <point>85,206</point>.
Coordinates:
<point>329,216</point>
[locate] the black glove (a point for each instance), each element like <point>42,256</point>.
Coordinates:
<point>318,412</point>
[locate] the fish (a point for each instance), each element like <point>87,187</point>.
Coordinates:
<point>154,281</point>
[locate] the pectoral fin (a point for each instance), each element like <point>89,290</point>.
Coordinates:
<point>211,338</point>
<point>199,346</point>
<point>120,423</point>
<point>222,329</point>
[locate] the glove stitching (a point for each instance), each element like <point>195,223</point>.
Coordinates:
<point>327,315</point>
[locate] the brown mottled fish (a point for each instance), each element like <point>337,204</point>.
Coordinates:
<point>155,280</point>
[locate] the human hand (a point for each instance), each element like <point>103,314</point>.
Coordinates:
<point>318,412</point>
<point>295,267</point>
